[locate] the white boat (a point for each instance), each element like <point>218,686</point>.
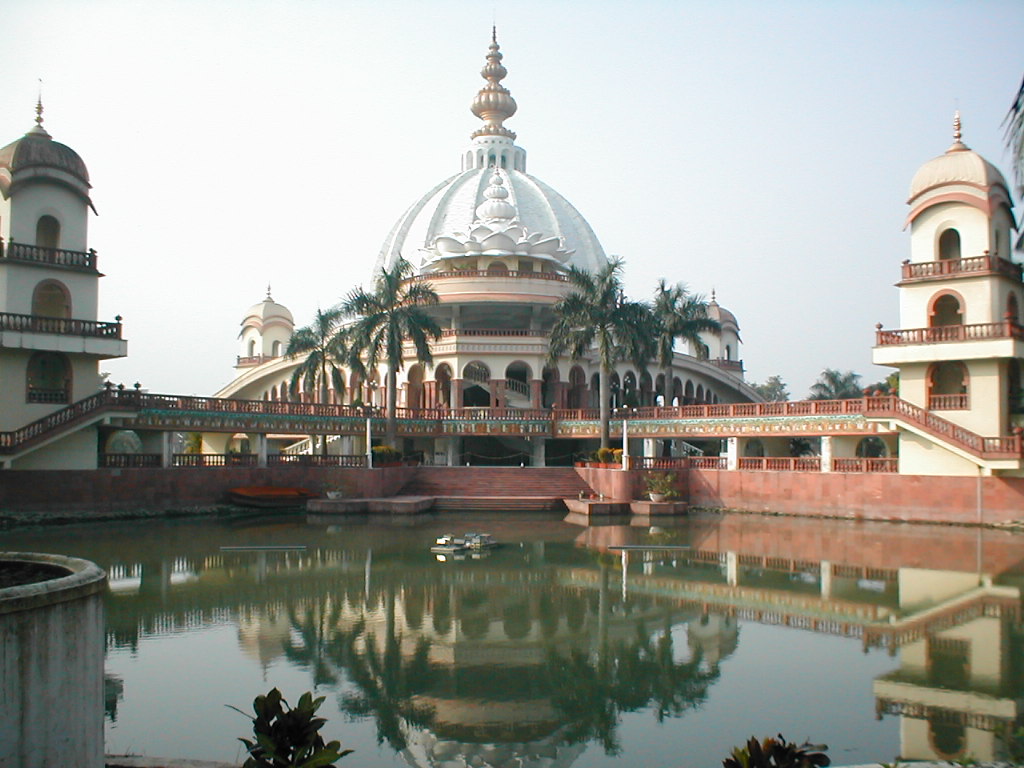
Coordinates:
<point>449,544</point>
<point>480,540</point>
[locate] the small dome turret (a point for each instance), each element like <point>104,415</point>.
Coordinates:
<point>266,330</point>
<point>37,155</point>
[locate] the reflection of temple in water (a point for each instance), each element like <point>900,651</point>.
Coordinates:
<point>526,657</point>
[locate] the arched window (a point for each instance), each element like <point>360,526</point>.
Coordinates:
<point>728,352</point>
<point>946,310</point>
<point>48,232</point>
<point>948,386</point>
<point>51,299</point>
<point>443,377</point>
<point>275,349</point>
<point>48,378</point>
<point>252,348</point>
<point>949,244</point>
<point>577,388</point>
<point>415,391</point>
<point>497,268</point>
<point>688,396</point>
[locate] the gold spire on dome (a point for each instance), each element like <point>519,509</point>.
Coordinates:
<point>37,129</point>
<point>958,145</point>
<point>493,103</point>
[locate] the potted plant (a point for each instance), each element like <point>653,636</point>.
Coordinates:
<point>385,456</point>
<point>333,491</point>
<point>660,486</point>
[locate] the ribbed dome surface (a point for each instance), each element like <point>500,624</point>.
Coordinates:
<point>450,209</point>
<point>268,309</point>
<point>37,149</point>
<point>959,165</point>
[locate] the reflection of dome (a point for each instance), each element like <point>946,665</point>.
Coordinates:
<point>484,212</point>
<point>36,154</point>
<point>426,750</point>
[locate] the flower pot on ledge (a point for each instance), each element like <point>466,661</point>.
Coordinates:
<point>657,498</point>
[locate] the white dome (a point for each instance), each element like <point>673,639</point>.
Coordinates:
<point>959,165</point>
<point>268,312</point>
<point>553,228</point>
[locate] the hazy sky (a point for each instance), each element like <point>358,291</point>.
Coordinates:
<point>761,149</point>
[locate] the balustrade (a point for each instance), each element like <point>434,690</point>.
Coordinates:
<point>214,460</point>
<point>64,326</point>
<point>130,460</point>
<point>36,395</point>
<point>781,463</point>
<point>315,460</point>
<point>462,274</point>
<point>255,360</point>
<point>52,257</point>
<point>865,465</point>
<point>947,402</point>
<point>986,263</point>
<point>1006,329</point>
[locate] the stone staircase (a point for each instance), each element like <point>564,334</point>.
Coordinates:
<point>497,488</point>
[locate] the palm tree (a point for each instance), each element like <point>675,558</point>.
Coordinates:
<point>679,314</point>
<point>384,319</point>
<point>836,385</point>
<point>1014,123</point>
<point>323,345</point>
<point>596,311</point>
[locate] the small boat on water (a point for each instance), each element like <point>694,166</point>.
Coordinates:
<point>269,496</point>
<point>480,541</point>
<point>448,544</point>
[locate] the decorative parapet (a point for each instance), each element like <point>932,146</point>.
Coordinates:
<point>48,257</point>
<point>974,266</point>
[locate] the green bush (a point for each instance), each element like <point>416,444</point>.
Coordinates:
<point>287,737</point>
<point>662,483</point>
<point>777,753</point>
<point>385,453</point>
<point>604,455</point>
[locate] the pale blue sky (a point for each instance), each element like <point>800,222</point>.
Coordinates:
<point>761,149</point>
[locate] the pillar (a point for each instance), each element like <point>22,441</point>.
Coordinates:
<point>539,453</point>
<point>650,446</point>
<point>826,453</point>
<point>732,450</point>
<point>261,450</point>
<point>166,450</point>
<point>536,389</point>
<point>456,393</point>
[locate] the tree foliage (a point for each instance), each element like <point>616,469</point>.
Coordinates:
<point>1014,124</point>
<point>596,312</point>
<point>773,390</point>
<point>393,312</point>
<point>679,314</point>
<point>833,384</point>
<point>321,344</point>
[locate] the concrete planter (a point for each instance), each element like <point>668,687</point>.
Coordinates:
<point>51,664</point>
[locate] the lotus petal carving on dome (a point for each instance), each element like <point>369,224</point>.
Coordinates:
<point>497,238</point>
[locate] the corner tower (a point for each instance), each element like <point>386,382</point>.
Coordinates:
<point>960,342</point>
<point>51,341</point>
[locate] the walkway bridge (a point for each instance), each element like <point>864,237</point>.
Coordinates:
<point>864,416</point>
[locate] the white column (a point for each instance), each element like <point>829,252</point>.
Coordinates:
<point>539,455</point>
<point>826,575</point>
<point>625,444</point>
<point>826,453</point>
<point>650,446</point>
<point>261,450</point>
<point>166,449</point>
<point>732,450</point>
<point>732,569</point>
<point>369,443</point>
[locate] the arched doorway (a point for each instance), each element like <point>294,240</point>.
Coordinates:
<point>443,384</point>
<point>48,232</point>
<point>476,377</point>
<point>414,384</point>
<point>948,386</point>
<point>48,378</point>
<point>577,388</point>
<point>517,380</point>
<point>51,299</point>
<point>947,310</point>
<point>949,245</point>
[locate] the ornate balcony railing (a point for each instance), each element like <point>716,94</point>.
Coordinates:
<point>947,403</point>
<point>255,360</point>
<point>973,265</point>
<point>59,395</point>
<point>1007,329</point>
<point>462,274</point>
<point>889,465</point>
<point>448,333</point>
<point>130,460</point>
<point>51,257</point>
<point>708,462</point>
<point>315,460</point>
<point>733,366</point>
<point>780,463</point>
<point>214,460</point>
<point>64,326</point>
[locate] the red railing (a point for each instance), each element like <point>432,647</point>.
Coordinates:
<point>60,325</point>
<point>313,460</point>
<point>52,257</point>
<point>707,462</point>
<point>865,465</point>
<point>987,263</point>
<point>1006,329</point>
<point>75,412</point>
<point>130,460</point>
<point>780,463</point>
<point>478,273</point>
<point>256,360</point>
<point>448,333</point>
<point>214,460</point>
<point>947,402</point>
<point>658,462</point>
<point>734,366</point>
<point>983,447</point>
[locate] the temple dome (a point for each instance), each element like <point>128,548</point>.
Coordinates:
<point>493,207</point>
<point>959,165</point>
<point>268,312</point>
<point>37,151</point>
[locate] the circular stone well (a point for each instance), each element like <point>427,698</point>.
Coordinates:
<point>51,661</point>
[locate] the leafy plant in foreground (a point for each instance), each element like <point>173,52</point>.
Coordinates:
<point>777,753</point>
<point>288,737</point>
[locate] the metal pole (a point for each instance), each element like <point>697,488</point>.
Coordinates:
<point>625,444</point>
<point>369,445</point>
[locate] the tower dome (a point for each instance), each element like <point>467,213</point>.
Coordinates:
<point>493,207</point>
<point>960,174</point>
<point>37,155</point>
<point>266,329</point>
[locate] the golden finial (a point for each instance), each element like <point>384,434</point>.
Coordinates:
<point>493,103</point>
<point>39,103</point>
<point>958,144</point>
<point>268,293</point>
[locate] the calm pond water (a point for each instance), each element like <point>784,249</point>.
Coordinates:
<point>876,639</point>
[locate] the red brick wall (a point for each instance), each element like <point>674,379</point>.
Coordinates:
<point>617,485</point>
<point>861,496</point>
<point>106,490</point>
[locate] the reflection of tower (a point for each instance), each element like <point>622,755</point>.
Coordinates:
<point>955,691</point>
<point>714,636</point>
<point>263,636</point>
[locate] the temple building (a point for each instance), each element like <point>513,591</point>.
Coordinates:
<point>496,244</point>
